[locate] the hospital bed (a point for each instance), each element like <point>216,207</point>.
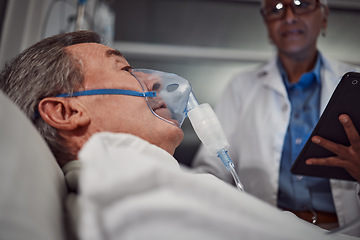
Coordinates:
<point>32,186</point>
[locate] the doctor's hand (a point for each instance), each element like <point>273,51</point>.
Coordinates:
<point>347,157</point>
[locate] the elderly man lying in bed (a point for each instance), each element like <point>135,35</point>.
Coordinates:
<point>97,116</point>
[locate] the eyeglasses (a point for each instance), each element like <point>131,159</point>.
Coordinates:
<point>277,10</point>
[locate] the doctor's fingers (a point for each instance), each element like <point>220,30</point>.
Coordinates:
<point>338,149</point>
<point>351,131</point>
<point>329,161</point>
<point>347,157</point>
<point>352,167</point>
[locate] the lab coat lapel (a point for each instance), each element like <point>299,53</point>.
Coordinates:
<point>271,77</point>
<point>329,82</point>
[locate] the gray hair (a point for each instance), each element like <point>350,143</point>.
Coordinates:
<point>43,70</point>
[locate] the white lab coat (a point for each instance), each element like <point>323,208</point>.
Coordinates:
<point>131,189</point>
<point>254,111</point>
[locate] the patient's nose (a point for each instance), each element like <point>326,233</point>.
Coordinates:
<point>154,84</point>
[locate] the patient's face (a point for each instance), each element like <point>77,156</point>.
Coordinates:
<point>104,68</point>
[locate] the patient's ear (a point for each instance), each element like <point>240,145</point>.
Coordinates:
<point>63,113</point>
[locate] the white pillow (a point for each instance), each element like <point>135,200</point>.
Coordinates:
<point>32,186</point>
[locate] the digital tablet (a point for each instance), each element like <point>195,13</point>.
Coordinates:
<point>345,99</point>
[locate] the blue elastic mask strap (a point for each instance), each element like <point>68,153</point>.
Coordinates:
<point>108,92</point>
<point>102,92</point>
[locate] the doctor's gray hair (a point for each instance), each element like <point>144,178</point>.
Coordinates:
<point>43,70</point>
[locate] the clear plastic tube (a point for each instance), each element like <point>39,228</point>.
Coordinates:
<point>80,18</point>
<point>208,128</point>
<point>225,158</point>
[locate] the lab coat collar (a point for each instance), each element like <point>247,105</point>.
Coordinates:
<point>271,77</point>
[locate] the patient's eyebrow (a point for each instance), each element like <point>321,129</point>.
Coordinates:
<point>112,52</point>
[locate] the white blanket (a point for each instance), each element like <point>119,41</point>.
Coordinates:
<point>130,189</point>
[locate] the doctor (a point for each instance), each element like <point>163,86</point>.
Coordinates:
<point>269,113</point>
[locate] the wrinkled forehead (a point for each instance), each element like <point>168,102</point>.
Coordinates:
<point>95,52</point>
<point>99,64</point>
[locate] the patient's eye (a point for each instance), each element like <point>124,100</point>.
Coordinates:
<point>126,68</point>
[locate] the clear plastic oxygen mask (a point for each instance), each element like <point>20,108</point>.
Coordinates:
<point>172,100</point>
